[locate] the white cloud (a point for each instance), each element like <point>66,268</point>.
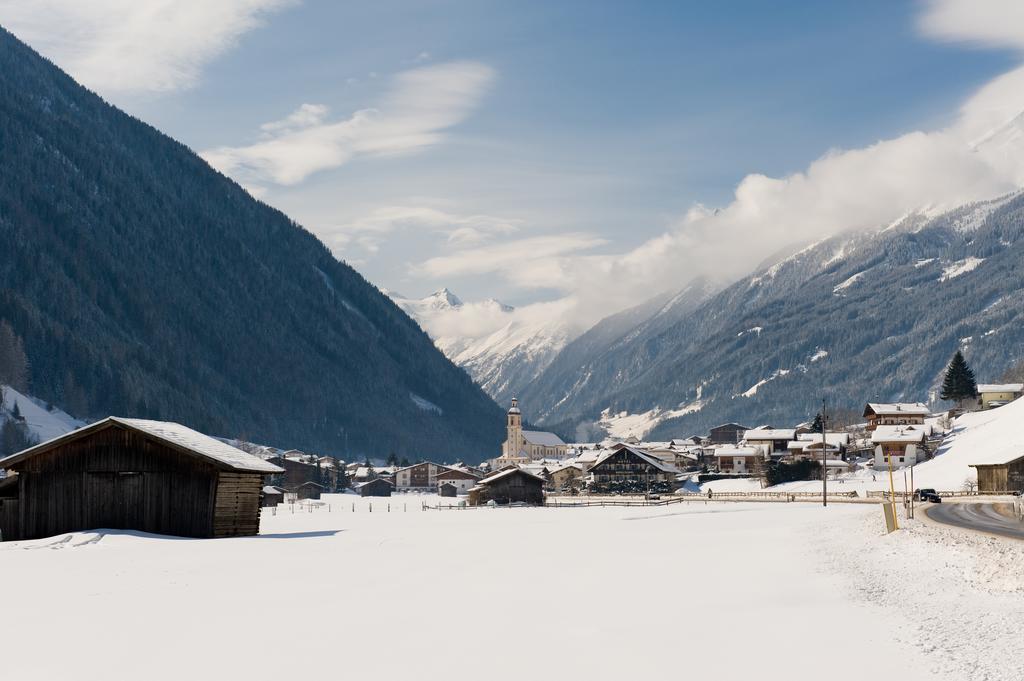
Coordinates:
<point>549,261</point>
<point>118,46</point>
<point>979,156</point>
<point>421,105</point>
<point>986,23</point>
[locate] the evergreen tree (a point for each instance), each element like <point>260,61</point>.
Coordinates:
<point>959,383</point>
<point>14,368</point>
<point>16,413</point>
<point>392,459</point>
<point>819,424</point>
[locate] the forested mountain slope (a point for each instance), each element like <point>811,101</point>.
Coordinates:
<point>865,316</point>
<point>146,284</point>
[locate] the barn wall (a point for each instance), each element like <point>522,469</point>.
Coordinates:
<point>237,507</point>
<point>992,478</point>
<point>10,525</point>
<point>115,478</point>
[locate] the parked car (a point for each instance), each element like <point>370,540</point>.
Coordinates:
<point>920,494</point>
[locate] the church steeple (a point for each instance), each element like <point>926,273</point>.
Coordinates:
<point>514,441</point>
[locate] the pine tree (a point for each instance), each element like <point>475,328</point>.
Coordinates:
<point>819,424</point>
<point>959,383</point>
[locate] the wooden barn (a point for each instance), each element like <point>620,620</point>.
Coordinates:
<point>272,496</point>
<point>308,490</point>
<point>378,487</point>
<point>512,485</point>
<point>1001,473</point>
<point>133,474</point>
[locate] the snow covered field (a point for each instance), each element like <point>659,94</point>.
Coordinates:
<point>735,590</point>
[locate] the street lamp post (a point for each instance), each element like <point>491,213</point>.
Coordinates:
<point>824,459</point>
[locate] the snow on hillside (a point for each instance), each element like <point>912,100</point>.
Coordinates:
<point>44,424</point>
<point>954,270</point>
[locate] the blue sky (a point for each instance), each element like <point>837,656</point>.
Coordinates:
<point>567,136</point>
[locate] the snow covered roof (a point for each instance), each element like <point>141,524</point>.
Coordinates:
<point>897,434</point>
<point>831,438</point>
<point>175,435</point>
<point>457,474</point>
<point>505,473</point>
<point>542,438</point>
<point>770,434</point>
<point>652,460</point>
<point>896,409</point>
<point>738,451</point>
<point>1000,387</point>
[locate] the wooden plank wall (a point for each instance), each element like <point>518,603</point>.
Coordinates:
<point>10,529</point>
<point>117,479</point>
<point>237,506</point>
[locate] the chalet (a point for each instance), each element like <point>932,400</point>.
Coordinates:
<point>631,467</point>
<point>770,440</point>
<point>727,434</point>
<point>420,477</point>
<point>992,395</point>
<point>681,458</point>
<point>523,446</point>
<point>1001,472</point>
<point>378,487</point>
<point>739,460</point>
<point>898,446</point>
<point>566,478</point>
<point>897,414</point>
<point>512,485</point>
<point>133,474</point>
<point>808,445</point>
<point>460,478</point>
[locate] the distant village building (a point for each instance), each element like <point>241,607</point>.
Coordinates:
<point>447,489</point>
<point>272,496</point>
<point>566,478</point>
<point>308,490</point>
<point>419,477</point>
<point>459,478</point>
<point>727,434</point>
<point>134,474</point>
<point>739,460</point>
<point>992,395</point>
<point>771,440</point>
<point>900,445</point>
<point>512,485</point>
<point>378,487</point>
<point>897,414</point>
<point>523,446</point>
<point>625,465</point>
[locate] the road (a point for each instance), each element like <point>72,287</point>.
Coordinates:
<point>991,517</point>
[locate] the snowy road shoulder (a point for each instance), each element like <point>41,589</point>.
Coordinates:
<point>960,593</point>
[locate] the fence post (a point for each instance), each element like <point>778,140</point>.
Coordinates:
<point>371,507</point>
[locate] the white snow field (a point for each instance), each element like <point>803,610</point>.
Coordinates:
<point>697,590</point>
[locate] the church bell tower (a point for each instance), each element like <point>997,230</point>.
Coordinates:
<point>514,440</point>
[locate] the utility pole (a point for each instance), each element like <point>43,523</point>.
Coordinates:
<point>824,458</point>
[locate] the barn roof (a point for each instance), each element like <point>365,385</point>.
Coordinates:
<point>175,435</point>
<point>896,409</point>
<point>507,472</point>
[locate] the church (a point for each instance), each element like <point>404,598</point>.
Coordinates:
<point>524,446</point>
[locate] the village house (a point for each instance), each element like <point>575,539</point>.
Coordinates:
<point>992,395</point>
<point>566,478</point>
<point>679,457</point>
<point>739,460</point>
<point>133,474</point>
<point>897,414</point>
<point>727,434</point>
<point>628,466</point>
<point>770,440</point>
<point>419,477</point>
<point>836,445</point>
<point>900,445</point>
<point>459,478</point>
<point>510,486</point>
<point>523,446</point>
